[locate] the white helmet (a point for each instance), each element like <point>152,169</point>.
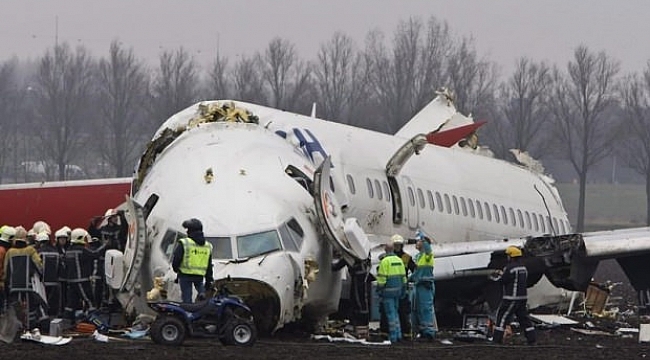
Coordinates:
<point>42,236</point>
<point>397,239</point>
<point>78,236</point>
<point>41,226</point>
<point>62,232</point>
<point>8,233</point>
<point>110,212</point>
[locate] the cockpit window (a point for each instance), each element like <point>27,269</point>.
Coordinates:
<point>168,242</point>
<point>221,247</point>
<point>257,244</point>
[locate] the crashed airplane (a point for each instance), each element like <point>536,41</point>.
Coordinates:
<point>281,194</point>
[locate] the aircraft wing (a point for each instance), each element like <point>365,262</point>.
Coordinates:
<point>568,261</point>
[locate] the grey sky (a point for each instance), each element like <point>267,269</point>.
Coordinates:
<point>503,29</point>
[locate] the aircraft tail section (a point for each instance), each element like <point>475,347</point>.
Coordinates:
<point>441,121</point>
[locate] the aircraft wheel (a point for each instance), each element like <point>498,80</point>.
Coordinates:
<point>168,330</point>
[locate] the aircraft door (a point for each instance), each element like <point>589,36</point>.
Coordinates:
<point>345,235</point>
<point>134,252</point>
<point>411,201</point>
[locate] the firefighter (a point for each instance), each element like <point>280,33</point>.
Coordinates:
<point>514,279</point>
<point>391,284</point>
<point>62,243</point>
<point>22,271</point>
<point>114,232</point>
<point>97,277</point>
<point>422,277</point>
<point>7,234</point>
<point>51,272</point>
<point>78,260</point>
<point>192,261</point>
<point>404,302</point>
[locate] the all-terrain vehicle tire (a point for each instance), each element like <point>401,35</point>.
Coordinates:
<point>168,330</point>
<point>239,332</point>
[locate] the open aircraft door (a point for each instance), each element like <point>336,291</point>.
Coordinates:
<point>346,235</point>
<point>134,251</point>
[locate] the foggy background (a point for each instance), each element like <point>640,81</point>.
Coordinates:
<point>83,84</point>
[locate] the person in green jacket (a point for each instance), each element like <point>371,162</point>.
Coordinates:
<point>424,287</point>
<point>391,284</point>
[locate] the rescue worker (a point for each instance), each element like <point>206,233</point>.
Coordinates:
<point>7,234</point>
<point>78,260</point>
<point>21,264</point>
<point>391,283</point>
<point>514,278</point>
<point>192,261</point>
<point>114,232</point>
<point>97,278</point>
<point>359,290</point>
<point>51,272</point>
<point>404,302</point>
<point>62,238</point>
<point>423,279</point>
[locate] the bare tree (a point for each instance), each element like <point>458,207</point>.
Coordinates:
<point>219,84</point>
<point>579,103</point>
<point>635,147</point>
<point>247,81</point>
<point>341,79</point>
<point>63,89</point>
<point>405,78</point>
<point>284,73</point>
<point>10,101</point>
<point>122,88</point>
<point>523,109</point>
<point>472,79</point>
<point>175,86</point>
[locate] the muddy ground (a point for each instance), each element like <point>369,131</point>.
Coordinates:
<point>556,343</point>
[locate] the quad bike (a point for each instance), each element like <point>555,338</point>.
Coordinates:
<point>223,316</point>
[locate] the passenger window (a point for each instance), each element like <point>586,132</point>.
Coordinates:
<point>463,206</point>
<point>562,226</point>
<point>528,220</point>
<point>488,215</point>
<point>479,209</point>
<point>455,199</point>
<point>472,212</point>
<point>521,218</point>
<point>386,191</point>
<point>513,221</point>
<point>447,204</point>
<point>432,206</point>
<point>411,196</point>
<point>351,187</point>
<point>378,189</point>
<point>542,223</point>
<point>439,201</point>
<point>557,228</point>
<point>535,222</point>
<point>420,198</point>
<point>504,216</point>
<point>371,193</point>
<point>496,213</point>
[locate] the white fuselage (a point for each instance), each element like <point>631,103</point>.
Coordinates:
<point>451,194</point>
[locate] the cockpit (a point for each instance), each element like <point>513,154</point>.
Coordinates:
<point>288,237</point>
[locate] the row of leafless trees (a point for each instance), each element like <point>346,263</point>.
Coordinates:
<point>70,107</point>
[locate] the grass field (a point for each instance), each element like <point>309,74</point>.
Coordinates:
<point>607,206</point>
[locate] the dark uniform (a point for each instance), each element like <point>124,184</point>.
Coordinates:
<point>114,233</point>
<point>359,290</point>
<point>98,277</point>
<point>514,278</point>
<point>51,274</point>
<point>21,264</point>
<point>79,263</point>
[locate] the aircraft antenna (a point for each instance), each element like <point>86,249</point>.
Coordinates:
<point>550,222</point>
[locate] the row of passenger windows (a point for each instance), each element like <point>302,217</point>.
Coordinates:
<point>467,207</point>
